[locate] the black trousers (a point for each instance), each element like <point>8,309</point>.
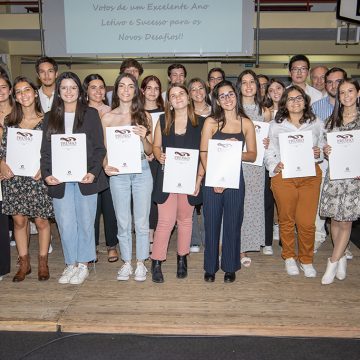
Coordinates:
<point>4,243</point>
<point>228,206</point>
<point>269,211</point>
<point>105,206</point>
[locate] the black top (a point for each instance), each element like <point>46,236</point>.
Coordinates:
<point>223,136</point>
<point>95,154</point>
<point>190,140</point>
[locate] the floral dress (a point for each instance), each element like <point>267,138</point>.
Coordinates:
<point>340,199</point>
<point>22,195</point>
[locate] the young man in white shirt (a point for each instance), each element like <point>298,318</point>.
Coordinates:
<point>47,72</point>
<point>128,66</point>
<point>299,67</point>
<point>176,74</point>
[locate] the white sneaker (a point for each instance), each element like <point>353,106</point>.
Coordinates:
<point>33,228</point>
<point>12,243</point>
<point>291,267</point>
<point>67,274</point>
<point>80,275</point>
<point>194,248</point>
<point>140,272</point>
<point>50,249</point>
<point>268,250</point>
<point>1,277</point>
<point>276,232</point>
<point>308,270</point>
<point>349,255</point>
<point>125,271</point>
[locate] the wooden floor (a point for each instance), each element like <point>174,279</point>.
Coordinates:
<point>262,301</point>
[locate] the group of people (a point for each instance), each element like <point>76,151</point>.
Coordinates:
<point>229,223</point>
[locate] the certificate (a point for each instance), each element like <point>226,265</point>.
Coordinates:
<point>123,149</point>
<point>155,119</point>
<point>343,159</point>
<point>23,151</point>
<point>223,164</point>
<point>297,154</point>
<point>69,157</point>
<point>180,171</point>
<point>262,132</point>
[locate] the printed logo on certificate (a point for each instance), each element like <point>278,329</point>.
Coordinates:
<point>343,159</point>
<point>123,149</point>
<point>297,154</point>
<point>223,164</point>
<point>180,171</point>
<point>69,157</point>
<point>23,151</point>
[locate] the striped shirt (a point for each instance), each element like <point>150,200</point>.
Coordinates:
<point>323,108</point>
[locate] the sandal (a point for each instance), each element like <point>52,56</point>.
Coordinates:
<point>113,255</point>
<point>245,261</point>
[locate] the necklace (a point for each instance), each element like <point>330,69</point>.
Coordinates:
<point>203,109</point>
<point>349,115</point>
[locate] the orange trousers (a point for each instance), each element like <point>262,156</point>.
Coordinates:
<point>297,203</point>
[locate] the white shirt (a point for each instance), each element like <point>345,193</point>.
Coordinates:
<point>69,122</point>
<point>314,94</point>
<point>272,154</point>
<point>46,101</point>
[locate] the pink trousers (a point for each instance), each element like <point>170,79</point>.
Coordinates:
<point>176,209</point>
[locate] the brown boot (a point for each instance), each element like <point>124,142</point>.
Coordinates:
<point>24,268</point>
<point>43,269</point>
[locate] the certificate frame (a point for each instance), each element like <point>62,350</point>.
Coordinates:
<point>69,157</point>
<point>180,170</point>
<point>23,151</point>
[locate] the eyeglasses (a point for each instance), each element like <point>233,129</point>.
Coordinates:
<point>224,96</point>
<point>298,98</point>
<point>299,69</point>
<point>333,82</point>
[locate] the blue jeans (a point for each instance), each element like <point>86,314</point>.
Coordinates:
<point>75,217</point>
<point>140,187</point>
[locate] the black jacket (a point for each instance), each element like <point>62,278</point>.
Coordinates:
<point>95,155</point>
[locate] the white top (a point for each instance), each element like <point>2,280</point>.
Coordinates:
<point>314,94</point>
<point>272,154</point>
<point>69,122</point>
<point>46,101</point>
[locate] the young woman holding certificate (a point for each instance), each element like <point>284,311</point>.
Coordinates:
<point>340,198</point>
<point>128,110</point>
<point>6,103</point>
<point>95,89</point>
<point>154,105</point>
<point>256,229</point>
<point>296,197</point>
<point>26,197</point>
<point>74,202</point>
<point>177,128</point>
<point>228,122</point>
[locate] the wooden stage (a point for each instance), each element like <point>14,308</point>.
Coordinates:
<point>263,300</point>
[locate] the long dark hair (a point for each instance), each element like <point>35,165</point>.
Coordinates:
<point>268,101</point>
<point>16,114</point>
<point>137,112</point>
<point>145,82</point>
<point>170,112</point>
<point>8,83</point>
<point>57,112</point>
<point>283,113</point>
<point>336,118</point>
<point>257,97</point>
<point>217,112</point>
<point>87,81</point>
